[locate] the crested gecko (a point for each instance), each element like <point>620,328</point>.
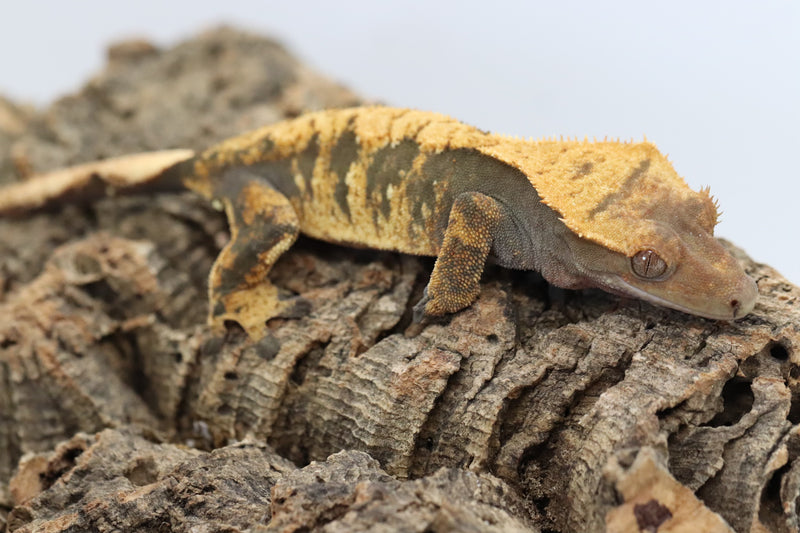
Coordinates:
<point>611,215</point>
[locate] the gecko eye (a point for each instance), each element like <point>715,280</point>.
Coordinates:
<point>648,264</point>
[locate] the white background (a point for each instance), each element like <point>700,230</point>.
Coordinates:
<point>715,84</point>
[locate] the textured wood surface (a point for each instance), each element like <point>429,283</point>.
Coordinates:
<point>546,410</point>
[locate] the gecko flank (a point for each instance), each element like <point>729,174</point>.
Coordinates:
<point>585,214</point>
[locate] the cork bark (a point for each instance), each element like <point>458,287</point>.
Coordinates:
<point>535,409</point>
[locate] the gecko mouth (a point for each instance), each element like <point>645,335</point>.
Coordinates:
<point>738,306</point>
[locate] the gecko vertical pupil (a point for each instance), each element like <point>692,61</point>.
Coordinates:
<point>648,264</point>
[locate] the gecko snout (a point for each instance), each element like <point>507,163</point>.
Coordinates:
<point>744,299</point>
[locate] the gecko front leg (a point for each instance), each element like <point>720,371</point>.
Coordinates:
<point>263,225</point>
<point>455,280</point>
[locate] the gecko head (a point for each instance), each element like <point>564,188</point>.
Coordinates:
<point>676,261</point>
<point>631,226</point>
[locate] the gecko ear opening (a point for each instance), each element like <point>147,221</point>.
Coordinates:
<point>647,264</point>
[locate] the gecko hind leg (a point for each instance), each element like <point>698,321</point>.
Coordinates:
<point>263,226</point>
<point>455,280</point>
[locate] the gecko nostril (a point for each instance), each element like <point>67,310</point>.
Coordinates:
<point>735,305</point>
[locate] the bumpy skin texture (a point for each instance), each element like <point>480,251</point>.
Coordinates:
<point>601,214</point>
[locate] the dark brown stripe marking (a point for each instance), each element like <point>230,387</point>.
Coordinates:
<point>389,166</point>
<point>650,515</point>
<point>278,174</point>
<point>306,161</point>
<point>419,192</point>
<point>267,145</point>
<point>625,190</point>
<point>584,171</point>
<point>343,155</point>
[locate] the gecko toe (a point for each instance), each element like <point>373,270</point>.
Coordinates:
<point>419,309</point>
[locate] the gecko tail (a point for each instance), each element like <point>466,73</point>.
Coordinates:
<point>125,174</point>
